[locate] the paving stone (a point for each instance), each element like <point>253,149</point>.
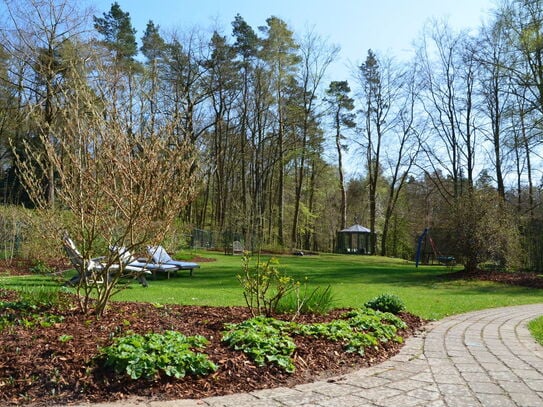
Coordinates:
<point>407,385</point>
<point>400,400</point>
<point>395,375</point>
<point>329,389</point>
<point>234,400</point>
<point>277,392</point>
<point>377,394</point>
<point>450,378</point>
<point>514,386</point>
<point>368,382</point>
<point>485,388</point>
<point>436,403</point>
<point>441,363</point>
<point>526,399</point>
<point>413,366</point>
<point>303,398</point>
<point>495,400</point>
<point>424,377</point>
<point>502,377</point>
<point>428,393</point>
<point>536,385</point>
<point>435,354</point>
<point>347,401</point>
<point>469,367</point>
<point>462,400</point>
<point>453,389</point>
<point>175,403</point>
<point>486,357</point>
<point>495,367</point>
<point>476,377</point>
<point>529,374</point>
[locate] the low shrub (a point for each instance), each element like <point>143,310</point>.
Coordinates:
<point>264,285</point>
<point>386,303</point>
<point>146,355</point>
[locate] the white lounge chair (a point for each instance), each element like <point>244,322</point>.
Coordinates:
<point>92,270</point>
<point>160,256</point>
<point>126,257</point>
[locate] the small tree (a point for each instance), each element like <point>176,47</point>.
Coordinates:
<point>114,187</point>
<point>483,229</point>
<point>264,285</point>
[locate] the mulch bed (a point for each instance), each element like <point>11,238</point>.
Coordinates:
<point>524,279</point>
<point>37,368</point>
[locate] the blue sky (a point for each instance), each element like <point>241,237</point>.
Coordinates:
<point>385,26</point>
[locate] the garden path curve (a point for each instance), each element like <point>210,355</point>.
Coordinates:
<point>481,358</point>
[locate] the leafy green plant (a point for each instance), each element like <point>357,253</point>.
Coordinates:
<point>65,338</point>
<point>268,340</point>
<point>48,320</point>
<point>263,340</point>
<point>362,328</point>
<point>386,303</point>
<point>264,285</point>
<point>146,355</point>
<point>317,301</point>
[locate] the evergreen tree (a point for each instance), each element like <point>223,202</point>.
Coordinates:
<point>279,51</point>
<point>341,107</point>
<point>374,110</point>
<point>118,34</point>
<point>154,49</point>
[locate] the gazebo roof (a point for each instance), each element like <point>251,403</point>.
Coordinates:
<point>356,229</point>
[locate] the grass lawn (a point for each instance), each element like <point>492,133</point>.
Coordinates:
<point>354,280</point>
<point>536,328</point>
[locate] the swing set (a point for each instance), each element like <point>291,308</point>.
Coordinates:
<point>446,260</point>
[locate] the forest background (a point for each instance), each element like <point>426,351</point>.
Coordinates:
<point>449,140</point>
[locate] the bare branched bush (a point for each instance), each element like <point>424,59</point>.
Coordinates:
<point>114,186</point>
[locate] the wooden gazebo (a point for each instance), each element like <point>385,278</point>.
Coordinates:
<point>354,240</point>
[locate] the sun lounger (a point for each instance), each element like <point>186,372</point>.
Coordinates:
<point>92,270</point>
<point>126,257</point>
<point>160,256</point>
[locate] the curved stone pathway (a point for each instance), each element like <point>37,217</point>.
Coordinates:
<point>483,358</point>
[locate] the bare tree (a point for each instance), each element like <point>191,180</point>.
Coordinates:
<point>491,52</point>
<point>114,187</point>
<point>403,149</point>
<point>379,89</point>
<point>316,55</point>
<point>38,39</point>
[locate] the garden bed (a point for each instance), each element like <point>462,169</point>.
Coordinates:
<point>51,360</point>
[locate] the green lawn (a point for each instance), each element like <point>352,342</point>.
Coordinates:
<point>354,280</point>
<point>536,328</point>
